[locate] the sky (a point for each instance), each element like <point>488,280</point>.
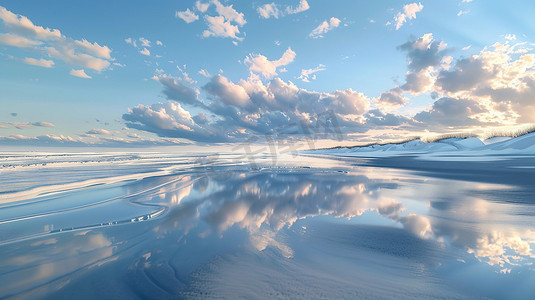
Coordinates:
<point>156,73</point>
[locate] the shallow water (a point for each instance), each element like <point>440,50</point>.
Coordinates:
<point>217,226</point>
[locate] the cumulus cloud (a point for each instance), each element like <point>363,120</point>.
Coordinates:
<point>419,82</point>
<point>174,89</point>
<point>424,52</point>
<point>229,92</point>
<point>451,112</point>
<point>219,27</point>
<point>229,13</point>
<point>393,98</point>
<point>426,57</point>
<point>260,64</point>
<point>408,13</point>
<point>238,109</point>
<point>45,63</point>
<point>499,77</point>
<point>169,120</point>
<point>493,87</point>
<point>225,25</point>
<point>188,16</point>
<point>306,73</point>
<point>22,33</point>
<point>79,73</point>
<point>325,27</point>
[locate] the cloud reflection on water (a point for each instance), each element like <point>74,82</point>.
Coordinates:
<point>266,202</point>
<point>207,213</point>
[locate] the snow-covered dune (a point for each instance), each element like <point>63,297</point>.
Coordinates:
<point>524,144</point>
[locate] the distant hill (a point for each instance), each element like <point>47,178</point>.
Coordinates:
<point>523,144</point>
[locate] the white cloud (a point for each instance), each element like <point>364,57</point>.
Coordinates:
<point>462,12</point>
<point>79,73</point>
<point>499,80</point>
<point>95,48</point>
<point>159,43</point>
<point>466,48</point>
<point>424,42</point>
<point>229,13</point>
<point>144,42</point>
<point>233,110</point>
<point>17,41</point>
<point>226,24</point>
<point>325,27</point>
<point>145,51</point>
<point>392,98</point>
<point>269,10</point>
<point>39,62</point>
<point>229,92</point>
<point>72,57</point>
<point>24,34</point>
<point>305,73</point>
<point>174,89</point>
<point>219,27</point>
<point>131,42</point>
<point>303,6</point>
<point>188,16</point>
<point>260,64</point>
<point>202,7</point>
<point>23,26</point>
<point>23,125</point>
<point>205,73</point>
<point>409,12</point>
<point>99,132</point>
<point>510,37</point>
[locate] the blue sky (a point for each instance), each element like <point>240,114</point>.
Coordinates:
<point>174,72</point>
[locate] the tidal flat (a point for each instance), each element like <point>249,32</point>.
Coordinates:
<point>221,225</point>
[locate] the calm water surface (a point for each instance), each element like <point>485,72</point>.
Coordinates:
<point>216,226</point>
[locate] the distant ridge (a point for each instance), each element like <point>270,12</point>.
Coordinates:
<point>493,134</point>
<point>521,143</point>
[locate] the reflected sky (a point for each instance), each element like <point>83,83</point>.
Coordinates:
<point>307,226</point>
